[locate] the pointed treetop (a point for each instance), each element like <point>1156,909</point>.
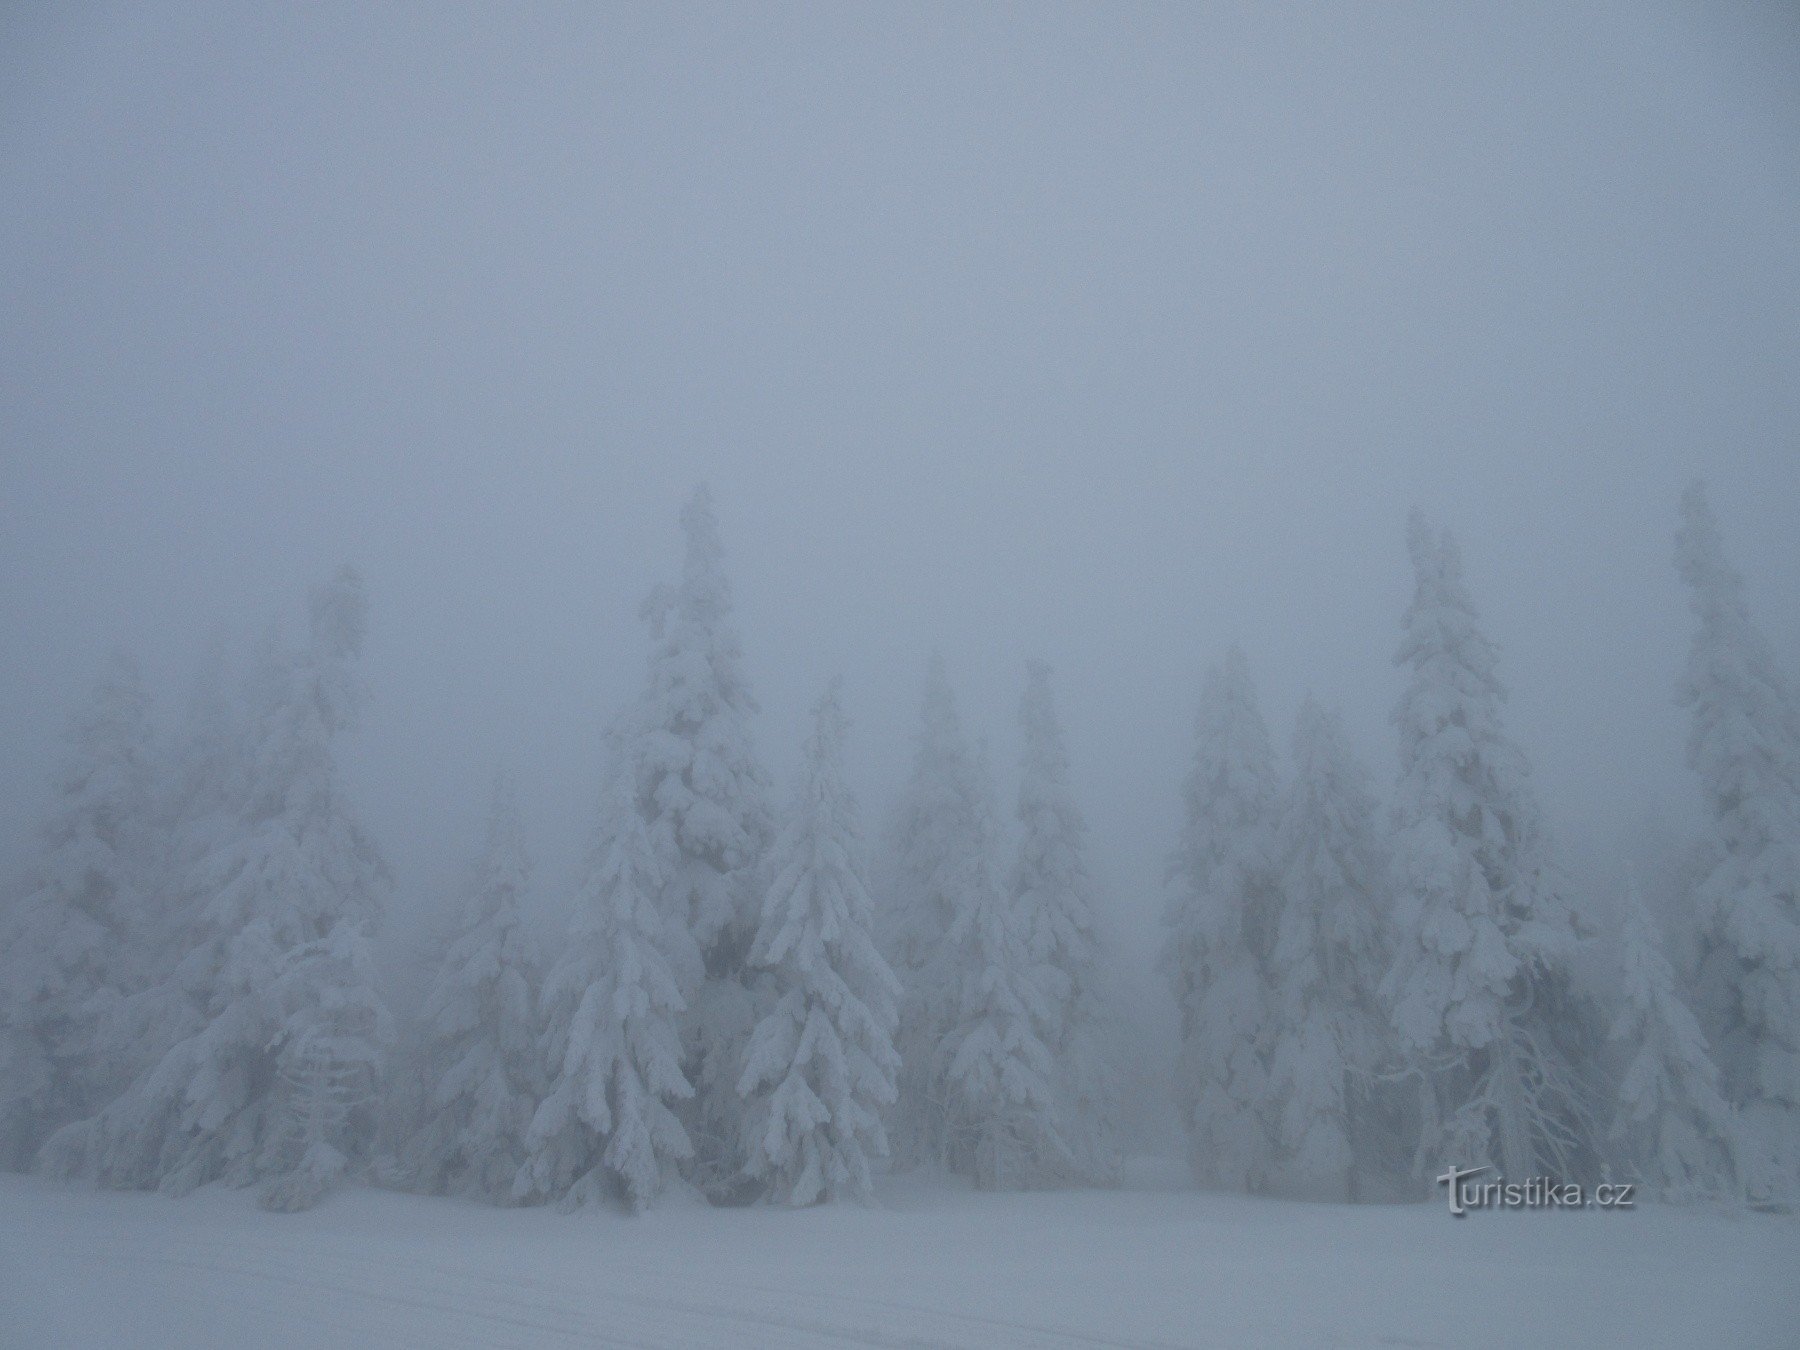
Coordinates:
<point>1646,969</point>
<point>1700,555</point>
<point>1046,756</point>
<point>704,589</point>
<point>697,513</point>
<point>1442,632</point>
<point>1745,740</point>
<point>1233,755</point>
<point>830,723</point>
<point>118,710</point>
<point>505,853</point>
<point>1421,542</point>
<point>1315,727</point>
<point>340,615</point>
<point>943,729</point>
<point>503,805</point>
<point>1437,569</point>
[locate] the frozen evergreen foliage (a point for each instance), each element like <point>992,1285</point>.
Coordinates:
<point>1054,899</point>
<point>936,834</point>
<point>613,1003</point>
<point>998,1076</point>
<point>820,1066</point>
<point>1218,922</point>
<point>480,1020</point>
<point>978,1088</point>
<point>1479,987</point>
<point>329,1058</point>
<point>188,987</point>
<point>71,948</point>
<point>282,969</point>
<point>1745,747</point>
<point>204,784</point>
<point>1678,1132</point>
<point>705,799</point>
<point>1327,1029</point>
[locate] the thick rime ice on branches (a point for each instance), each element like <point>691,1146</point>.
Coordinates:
<point>1679,1134</point>
<point>820,1066</point>
<point>1218,923</point>
<point>704,796</point>
<point>1327,1030</point>
<point>1480,984</point>
<point>1745,746</point>
<point>480,1021</point>
<point>612,1008</point>
<point>72,948</point>
<point>329,1060</point>
<point>1054,898</point>
<point>281,971</point>
<point>189,991</point>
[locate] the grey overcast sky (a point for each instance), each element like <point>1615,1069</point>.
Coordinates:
<point>1112,333</point>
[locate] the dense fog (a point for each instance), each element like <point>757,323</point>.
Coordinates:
<point>758,599</point>
<point>1014,333</point>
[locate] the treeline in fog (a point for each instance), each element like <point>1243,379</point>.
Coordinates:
<point>759,996</point>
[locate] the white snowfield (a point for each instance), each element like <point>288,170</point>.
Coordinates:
<point>929,1265</point>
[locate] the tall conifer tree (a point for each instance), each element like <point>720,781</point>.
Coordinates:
<point>820,1066</point>
<point>1480,985</point>
<point>1745,747</point>
<point>1219,932</point>
<point>704,797</point>
<point>1054,896</point>
<point>72,947</point>
<point>282,972</point>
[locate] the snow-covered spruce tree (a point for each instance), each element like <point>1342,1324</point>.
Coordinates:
<point>202,782</point>
<point>820,1066</point>
<point>1327,1030</point>
<point>293,894</point>
<point>71,948</point>
<point>704,796</point>
<point>612,1007</point>
<point>923,893</point>
<point>1219,923</point>
<point>1745,746</point>
<point>1678,1132</point>
<point>329,1056</point>
<point>480,1021</point>
<point>998,1076</point>
<point>1479,987</point>
<point>1054,898</point>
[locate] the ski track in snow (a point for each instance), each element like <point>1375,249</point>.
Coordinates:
<point>1152,1271</point>
<point>521,1304</point>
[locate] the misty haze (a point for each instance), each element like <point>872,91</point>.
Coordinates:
<point>933,674</point>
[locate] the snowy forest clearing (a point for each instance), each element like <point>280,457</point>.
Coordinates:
<point>931,1264</point>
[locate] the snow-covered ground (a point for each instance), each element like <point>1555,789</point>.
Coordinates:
<point>931,1265</point>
